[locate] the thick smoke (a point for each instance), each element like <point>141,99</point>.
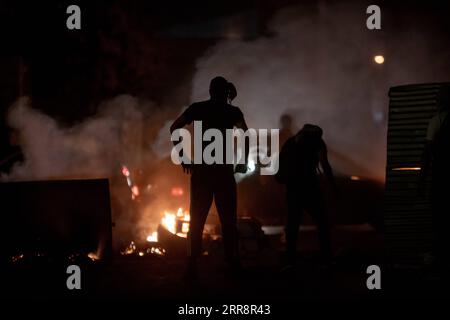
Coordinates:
<point>320,70</point>
<point>94,148</point>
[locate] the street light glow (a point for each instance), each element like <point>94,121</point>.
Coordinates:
<point>379,59</point>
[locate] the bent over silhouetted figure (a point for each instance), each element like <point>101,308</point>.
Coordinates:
<point>437,155</point>
<point>299,163</point>
<point>214,181</point>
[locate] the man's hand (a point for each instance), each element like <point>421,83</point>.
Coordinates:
<point>241,168</point>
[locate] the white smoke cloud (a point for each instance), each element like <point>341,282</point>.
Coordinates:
<point>94,148</point>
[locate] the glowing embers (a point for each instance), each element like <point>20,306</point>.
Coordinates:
<point>17,258</point>
<point>32,257</point>
<point>133,250</point>
<point>130,249</point>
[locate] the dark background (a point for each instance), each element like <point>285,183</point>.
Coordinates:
<point>143,48</point>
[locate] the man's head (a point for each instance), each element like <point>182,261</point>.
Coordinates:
<point>218,88</point>
<point>443,98</point>
<point>221,89</point>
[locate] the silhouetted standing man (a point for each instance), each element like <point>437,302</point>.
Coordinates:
<point>299,160</point>
<point>437,154</point>
<point>215,181</point>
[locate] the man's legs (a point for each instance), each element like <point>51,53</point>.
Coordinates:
<point>225,198</point>
<point>317,209</point>
<point>201,199</point>
<point>295,211</point>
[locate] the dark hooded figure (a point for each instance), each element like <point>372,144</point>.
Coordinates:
<point>213,181</point>
<point>300,158</point>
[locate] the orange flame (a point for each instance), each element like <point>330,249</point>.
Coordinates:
<point>176,223</point>
<point>153,237</point>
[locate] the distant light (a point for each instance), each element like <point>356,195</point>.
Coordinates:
<point>407,169</point>
<point>125,171</point>
<point>379,59</point>
<point>355,178</point>
<point>135,190</point>
<point>177,191</point>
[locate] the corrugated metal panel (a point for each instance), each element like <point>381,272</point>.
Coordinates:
<point>407,216</point>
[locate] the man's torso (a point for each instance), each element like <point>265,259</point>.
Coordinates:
<point>214,115</point>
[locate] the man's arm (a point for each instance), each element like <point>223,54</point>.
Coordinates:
<point>179,123</point>
<point>328,171</point>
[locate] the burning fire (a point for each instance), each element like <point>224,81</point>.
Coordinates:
<point>177,223</point>
<point>153,237</point>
